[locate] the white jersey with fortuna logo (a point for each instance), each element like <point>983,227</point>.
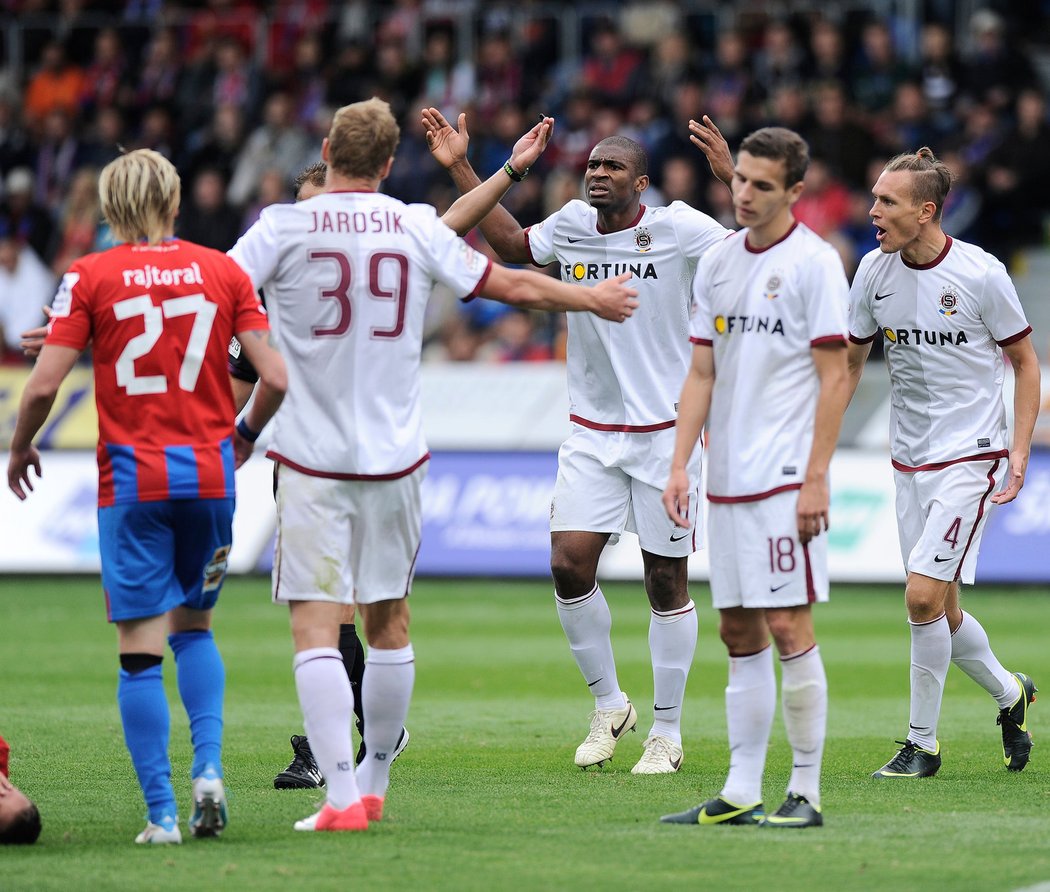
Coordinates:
<point>762,311</point>
<point>944,325</point>
<point>628,377</point>
<point>347,278</point>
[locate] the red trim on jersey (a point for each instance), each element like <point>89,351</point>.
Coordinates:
<point>703,342</point>
<point>935,261</point>
<point>751,250</point>
<point>681,612</point>
<point>333,475</point>
<point>634,222</point>
<point>757,497</point>
<point>799,655</point>
<point>811,591</point>
<point>528,248</point>
<point>828,340</point>
<point>977,520</point>
<point>1015,338</point>
<point>622,428</point>
<point>941,465</point>
<point>481,283</point>
<point>408,581</point>
<point>855,340</point>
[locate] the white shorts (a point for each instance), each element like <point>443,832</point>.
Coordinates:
<point>941,516</point>
<point>609,482</point>
<point>346,540</point>
<point>757,559</point>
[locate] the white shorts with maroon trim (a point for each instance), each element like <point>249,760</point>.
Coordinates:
<point>605,485</point>
<point>757,559</point>
<point>346,540</point>
<point>941,516</point>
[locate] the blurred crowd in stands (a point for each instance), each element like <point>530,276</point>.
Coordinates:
<point>239,96</point>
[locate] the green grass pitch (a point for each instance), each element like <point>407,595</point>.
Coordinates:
<point>486,797</point>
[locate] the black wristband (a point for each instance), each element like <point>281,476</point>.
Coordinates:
<point>509,170</point>
<point>246,432</point>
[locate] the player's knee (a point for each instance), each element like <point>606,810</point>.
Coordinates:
<point>570,579</point>
<point>666,585</point>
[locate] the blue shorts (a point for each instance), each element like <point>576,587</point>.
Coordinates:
<point>160,555</point>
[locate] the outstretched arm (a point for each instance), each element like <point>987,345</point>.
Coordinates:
<point>709,140</point>
<point>531,290</point>
<point>449,147</point>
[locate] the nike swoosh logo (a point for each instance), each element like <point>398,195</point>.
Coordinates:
<point>573,241</point>
<point>675,538</point>
<point>939,560</point>
<point>663,708</point>
<point>777,588</point>
<point>676,762</point>
<point>616,732</point>
<point>884,296</point>
<point>705,818</point>
<point>591,684</point>
<point>720,284</point>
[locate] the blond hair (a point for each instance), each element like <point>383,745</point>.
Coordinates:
<point>140,194</point>
<point>931,181</point>
<point>363,137</point>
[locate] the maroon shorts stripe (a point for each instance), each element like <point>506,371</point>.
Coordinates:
<point>756,497</point>
<point>811,591</point>
<point>940,466</point>
<point>333,475</point>
<point>977,520</point>
<point>622,428</point>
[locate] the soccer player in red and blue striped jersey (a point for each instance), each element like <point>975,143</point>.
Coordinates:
<point>159,314</point>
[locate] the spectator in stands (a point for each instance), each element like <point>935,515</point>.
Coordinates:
<point>207,218</point>
<point>940,72</point>
<point>59,153</point>
<point>398,78</point>
<point>26,287</point>
<point>108,136</point>
<point>216,146</point>
<point>997,68</point>
<point>827,49</point>
<point>448,82</point>
<point>780,60</point>
<point>877,70</point>
<point>842,143</point>
<point>824,205</point>
<point>104,77</point>
<point>612,69</point>
<point>158,78</point>
<point>278,144</point>
<point>21,216</point>
<point>498,75</point>
<point>671,62</point>
<point>15,149</point>
<point>79,220</point>
<point>57,85</point>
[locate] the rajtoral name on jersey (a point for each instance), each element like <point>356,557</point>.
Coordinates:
<point>579,271</point>
<point>149,275</point>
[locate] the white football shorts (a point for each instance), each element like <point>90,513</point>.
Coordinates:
<point>757,559</point>
<point>611,481</point>
<point>346,540</point>
<point>941,516</point>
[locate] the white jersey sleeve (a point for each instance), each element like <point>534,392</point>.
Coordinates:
<point>824,287</point>
<point>539,239</point>
<point>257,251</point>
<point>862,324</point>
<point>1000,307</point>
<point>696,231</point>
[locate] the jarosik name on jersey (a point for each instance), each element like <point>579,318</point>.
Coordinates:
<point>358,221</point>
<point>916,337</point>
<point>602,271</point>
<point>147,276</point>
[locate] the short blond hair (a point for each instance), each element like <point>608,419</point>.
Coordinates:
<point>140,194</point>
<point>931,178</point>
<point>363,137</point>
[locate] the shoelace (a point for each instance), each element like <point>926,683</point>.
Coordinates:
<point>789,806</point>
<point>902,758</point>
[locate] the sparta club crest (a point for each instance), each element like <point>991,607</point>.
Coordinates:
<point>949,301</point>
<point>643,240</point>
<point>773,286</point>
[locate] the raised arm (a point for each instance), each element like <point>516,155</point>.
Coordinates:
<point>693,406</point>
<point>814,498</point>
<point>449,147</point>
<point>1026,407</point>
<point>470,208</point>
<point>709,140</point>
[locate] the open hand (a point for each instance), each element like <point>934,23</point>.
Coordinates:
<point>447,145</point>
<point>614,300</point>
<point>709,140</point>
<point>529,148</point>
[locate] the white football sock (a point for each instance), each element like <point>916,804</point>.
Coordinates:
<point>751,700</point>
<point>672,643</point>
<point>972,653</point>
<point>588,626</point>
<point>804,696</point>
<point>386,691</point>
<point>931,655</point>
<point>328,707</point>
